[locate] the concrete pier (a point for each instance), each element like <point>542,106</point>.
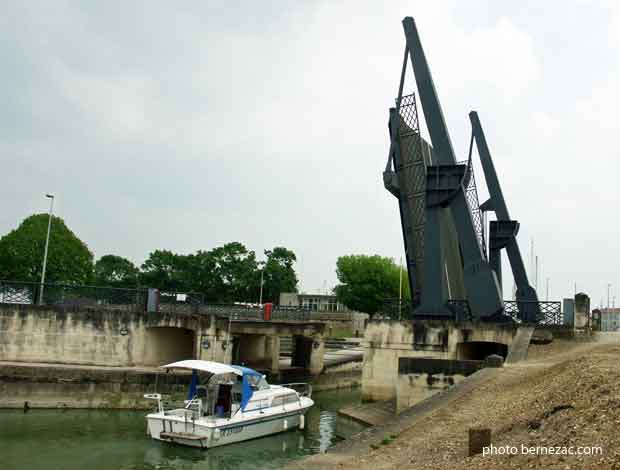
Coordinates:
<point>389,345</point>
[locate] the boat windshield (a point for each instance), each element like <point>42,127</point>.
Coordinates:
<point>258,382</point>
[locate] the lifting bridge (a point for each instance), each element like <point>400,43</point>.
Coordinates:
<point>449,266</point>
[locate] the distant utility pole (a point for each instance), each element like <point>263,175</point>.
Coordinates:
<point>400,288</point>
<point>532,259</point>
<point>47,242</point>
<point>547,297</point>
<point>608,289</point>
<point>536,272</point>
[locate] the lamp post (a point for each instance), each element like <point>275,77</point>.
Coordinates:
<point>47,242</point>
<point>262,272</point>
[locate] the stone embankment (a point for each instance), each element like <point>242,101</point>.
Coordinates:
<point>565,395</point>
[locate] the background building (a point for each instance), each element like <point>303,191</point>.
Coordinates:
<point>312,302</point>
<point>610,319</point>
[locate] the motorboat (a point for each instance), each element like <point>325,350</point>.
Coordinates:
<point>227,404</point>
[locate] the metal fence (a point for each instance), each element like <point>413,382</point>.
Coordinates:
<point>234,311</point>
<point>28,293</point>
<point>181,302</point>
<point>549,313</point>
<point>255,312</point>
<point>288,313</point>
<point>395,310</point>
<point>135,300</point>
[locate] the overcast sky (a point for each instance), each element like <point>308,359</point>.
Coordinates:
<point>186,125</point>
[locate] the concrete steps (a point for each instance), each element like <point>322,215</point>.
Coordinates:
<point>373,414</point>
<point>520,345</point>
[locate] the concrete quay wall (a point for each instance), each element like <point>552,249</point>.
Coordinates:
<point>47,386</point>
<point>59,386</point>
<point>387,341</point>
<point>91,336</point>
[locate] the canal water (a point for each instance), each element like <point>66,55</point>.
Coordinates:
<point>106,439</point>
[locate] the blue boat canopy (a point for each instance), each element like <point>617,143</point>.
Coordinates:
<point>247,376</point>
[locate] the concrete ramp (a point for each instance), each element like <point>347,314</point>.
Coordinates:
<point>372,414</point>
<point>520,345</point>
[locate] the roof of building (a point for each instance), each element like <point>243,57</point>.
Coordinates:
<point>609,310</point>
<point>327,296</point>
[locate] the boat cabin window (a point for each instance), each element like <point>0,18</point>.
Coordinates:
<point>281,400</point>
<point>258,382</point>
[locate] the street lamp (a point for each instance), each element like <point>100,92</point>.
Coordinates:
<point>262,272</point>
<point>47,242</point>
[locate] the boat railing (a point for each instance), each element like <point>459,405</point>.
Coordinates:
<point>194,405</point>
<point>155,396</point>
<point>304,389</point>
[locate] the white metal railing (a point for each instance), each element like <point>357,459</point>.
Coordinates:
<point>194,405</point>
<point>304,389</point>
<point>155,396</point>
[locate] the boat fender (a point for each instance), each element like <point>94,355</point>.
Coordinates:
<point>285,424</point>
<point>302,422</point>
<point>216,435</point>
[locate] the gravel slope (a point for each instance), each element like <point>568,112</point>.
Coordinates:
<point>566,394</point>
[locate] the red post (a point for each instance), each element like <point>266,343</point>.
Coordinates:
<point>267,311</point>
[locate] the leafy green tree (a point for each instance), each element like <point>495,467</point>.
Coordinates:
<point>227,273</point>
<point>235,269</point>
<point>279,275</point>
<point>203,275</point>
<point>115,271</point>
<point>366,281</point>
<point>21,253</point>
<point>165,270</point>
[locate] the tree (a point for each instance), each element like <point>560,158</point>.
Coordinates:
<point>165,270</point>
<point>279,275</point>
<point>235,269</point>
<point>366,281</point>
<point>115,271</point>
<point>201,274</point>
<point>21,253</point>
<point>227,273</point>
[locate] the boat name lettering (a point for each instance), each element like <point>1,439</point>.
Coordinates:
<point>229,431</point>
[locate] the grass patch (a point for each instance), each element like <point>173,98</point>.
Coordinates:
<point>341,333</point>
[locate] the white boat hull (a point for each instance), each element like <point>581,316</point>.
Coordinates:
<point>196,434</point>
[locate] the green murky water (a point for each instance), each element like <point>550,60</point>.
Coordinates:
<point>98,440</point>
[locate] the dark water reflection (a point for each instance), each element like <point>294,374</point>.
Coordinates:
<point>97,440</point>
